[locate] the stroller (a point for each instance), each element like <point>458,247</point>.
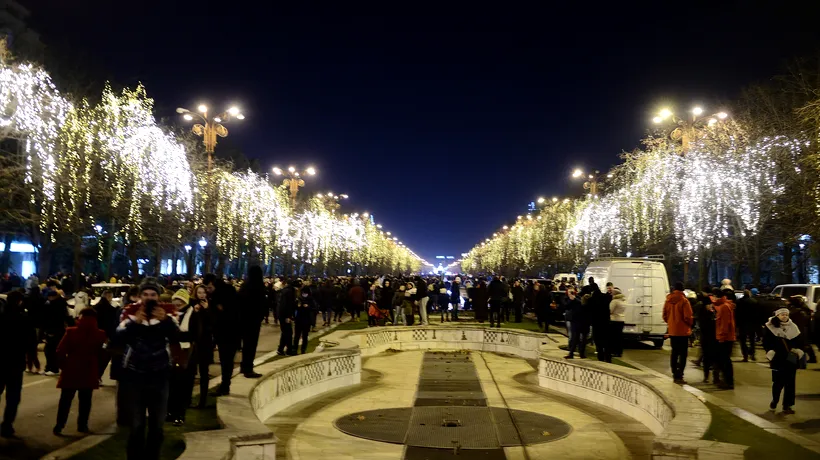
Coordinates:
<point>376,316</point>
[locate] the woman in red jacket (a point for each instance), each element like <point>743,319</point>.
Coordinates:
<point>79,353</point>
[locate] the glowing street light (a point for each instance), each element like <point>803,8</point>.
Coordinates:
<point>577,173</point>
<point>293,180</point>
<point>210,127</point>
<point>593,183</point>
<point>685,129</point>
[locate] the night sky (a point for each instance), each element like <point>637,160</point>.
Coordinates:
<point>444,122</point>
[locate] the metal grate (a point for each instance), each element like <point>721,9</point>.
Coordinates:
<point>474,429</point>
<point>533,428</point>
<point>385,425</point>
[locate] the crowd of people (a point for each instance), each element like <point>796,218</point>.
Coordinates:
<point>163,334</point>
<point>717,318</point>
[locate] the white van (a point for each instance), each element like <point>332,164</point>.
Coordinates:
<point>645,284</point>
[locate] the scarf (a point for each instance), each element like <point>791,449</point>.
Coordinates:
<point>787,330</point>
<point>184,323</point>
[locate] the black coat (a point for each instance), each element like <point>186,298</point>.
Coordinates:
<point>518,295</point>
<point>287,303</point>
<point>254,301</point>
<point>496,289</point>
<point>55,316</point>
<point>16,337</point>
<point>385,298</point>
<point>225,320</point>
<point>781,350</point>
<point>306,304</point>
<point>480,298</point>
<point>108,317</point>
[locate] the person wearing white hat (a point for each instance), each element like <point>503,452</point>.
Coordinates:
<point>783,344</point>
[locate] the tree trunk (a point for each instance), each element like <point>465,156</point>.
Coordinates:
<point>44,257</point>
<point>788,269</point>
<point>132,256</point>
<point>191,263</point>
<point>703,269</point>
<point>157,260</point>
<point>220,269</point>
<point>207,260</point>
<point>756,265</point>
<point>5,259</point>
<point>174,258</point>
<point>77,266</point>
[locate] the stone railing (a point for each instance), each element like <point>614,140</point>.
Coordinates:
<point>372,341</point>
<point>298,379</point>
<point>678,419</point>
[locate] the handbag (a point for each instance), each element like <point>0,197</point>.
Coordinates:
<point>791,357</point>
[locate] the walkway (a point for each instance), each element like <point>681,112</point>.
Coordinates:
<point>417,406</point>
<point>38,409</point>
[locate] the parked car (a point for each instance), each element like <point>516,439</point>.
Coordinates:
<point>810,291</point>
<point>566,277</point>
<point>645,284</point>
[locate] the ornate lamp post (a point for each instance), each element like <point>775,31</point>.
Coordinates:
<point>293,180</point>
<point>331,200</point>
<point>593,182</point>
<point>684,129</point>
<point>210,127</point>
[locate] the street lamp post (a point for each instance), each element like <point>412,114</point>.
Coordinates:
<point>293,180</point>
<point>684,129</point>
<point>208,129</point>
<point>210,126</point>
<point>593,180</point>
<point>331,200</point>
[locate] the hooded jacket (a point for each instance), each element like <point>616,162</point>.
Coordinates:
<point>677,313</point>
<point>79,354</point>
<point>617,307</point>
<point>724,320</point>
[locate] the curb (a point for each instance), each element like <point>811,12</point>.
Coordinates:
<point>747,416</point>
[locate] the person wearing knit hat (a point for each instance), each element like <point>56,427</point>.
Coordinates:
<point>147,331</point>
<point>783,342</point>
<point>181,296</point>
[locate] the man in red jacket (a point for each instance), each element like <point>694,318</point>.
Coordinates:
<point>725,332</point>
<point>677,313</point>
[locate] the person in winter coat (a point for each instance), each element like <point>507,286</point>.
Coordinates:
<point>254,301</point>
<point>444,303</point>
<point>182,380</point>
<point>578,320</point>
<point>407,304</point>
<point>480,298</point>
<point>783,344</point>
<point>55,319</point>
<point>222,301</point>
<point>542,299</point>
<point>79,352</point>
<point>287,310</point>
<point>801,314</point>
<point>421,299</point>
<point>147,332</point>
<point>599,307</point>
<point>107,319</point>
<point>725,333</point>
<point>356,296</point>
<point>677,313</point>
<point>517,292</point>
<point>617,310</point>
<point>747,325</point>
<point>398,299</point>
<point>200,335</point>
<point>385,300</point>
<point>16,337</point>
<point>708,339</point>
<point>498,294</point>
<point>33,306</point>
<point>326,300</point>
<point>306,303</point>
<point>455,296</point>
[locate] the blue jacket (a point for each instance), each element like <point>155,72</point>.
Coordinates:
<point>147,351</point>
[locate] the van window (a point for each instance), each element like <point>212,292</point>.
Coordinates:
<point>777,291</point>
<point>816,295</point>
<point>788,291</point>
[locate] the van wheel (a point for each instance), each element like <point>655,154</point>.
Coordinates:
<point>658,343</point>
